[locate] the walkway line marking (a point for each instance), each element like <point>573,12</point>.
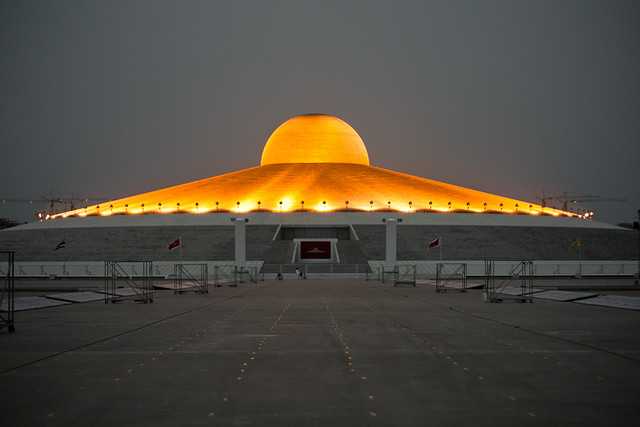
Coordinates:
<point>119,334</point>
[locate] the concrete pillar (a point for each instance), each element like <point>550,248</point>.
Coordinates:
<point>391,242</point>
<point>240,239</point>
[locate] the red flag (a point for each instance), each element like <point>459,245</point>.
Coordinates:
<point>434,243</point>
<point>175,244</point>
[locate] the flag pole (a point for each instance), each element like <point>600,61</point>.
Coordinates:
<point>440,245</point>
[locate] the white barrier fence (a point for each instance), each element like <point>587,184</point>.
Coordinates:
<point>95,269</point>
<point>424,269</point>
<point>427,269</point>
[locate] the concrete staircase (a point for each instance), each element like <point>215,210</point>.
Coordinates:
<point>350,252</point>
<point>279,252</point>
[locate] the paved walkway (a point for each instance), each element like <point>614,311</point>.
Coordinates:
<point>338,353</point>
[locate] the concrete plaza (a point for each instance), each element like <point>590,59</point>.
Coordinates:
<point>321,352</point>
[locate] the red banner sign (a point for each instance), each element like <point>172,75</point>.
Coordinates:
<point>315,250</point>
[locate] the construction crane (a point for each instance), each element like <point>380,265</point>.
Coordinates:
<point>54,203</point>
<point>566,199</point>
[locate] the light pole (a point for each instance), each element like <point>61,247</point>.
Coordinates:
<point>636,225</point>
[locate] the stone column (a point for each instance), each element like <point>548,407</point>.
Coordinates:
<point>391,242</point>
<point>240,238</point>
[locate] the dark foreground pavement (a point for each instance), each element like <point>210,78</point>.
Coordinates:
<point>332,352</point>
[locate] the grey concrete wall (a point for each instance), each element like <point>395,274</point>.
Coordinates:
<point>216,243</point>
<point>259,240</point>
<point>476,242</point>
<point>111,243</point>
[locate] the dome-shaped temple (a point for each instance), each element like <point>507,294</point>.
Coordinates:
<point>314,138</point>
<point>314,162</point>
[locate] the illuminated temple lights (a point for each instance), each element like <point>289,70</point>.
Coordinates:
<point>288,205</point>
<point>315,163</point>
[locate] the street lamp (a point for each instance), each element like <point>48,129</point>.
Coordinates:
<point>636,225</point>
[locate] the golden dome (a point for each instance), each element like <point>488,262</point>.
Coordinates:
<point>314,138</point>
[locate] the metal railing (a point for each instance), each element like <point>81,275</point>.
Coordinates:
<point>451,276</point>
<point>405,275</point>
<point>425,269</point>
<point>494,288</point>
<point>233,275</point>
<point>7,292</point>
<point>313,269</point>
<point>245,275</point>
<point>385,273</point>
<point>399,274</point>
<point>223,274</point>
<point>191,277</point>
<point>120,285</point>
<point>374,273</point>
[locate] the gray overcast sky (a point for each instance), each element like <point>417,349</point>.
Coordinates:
<point>511,97</point>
